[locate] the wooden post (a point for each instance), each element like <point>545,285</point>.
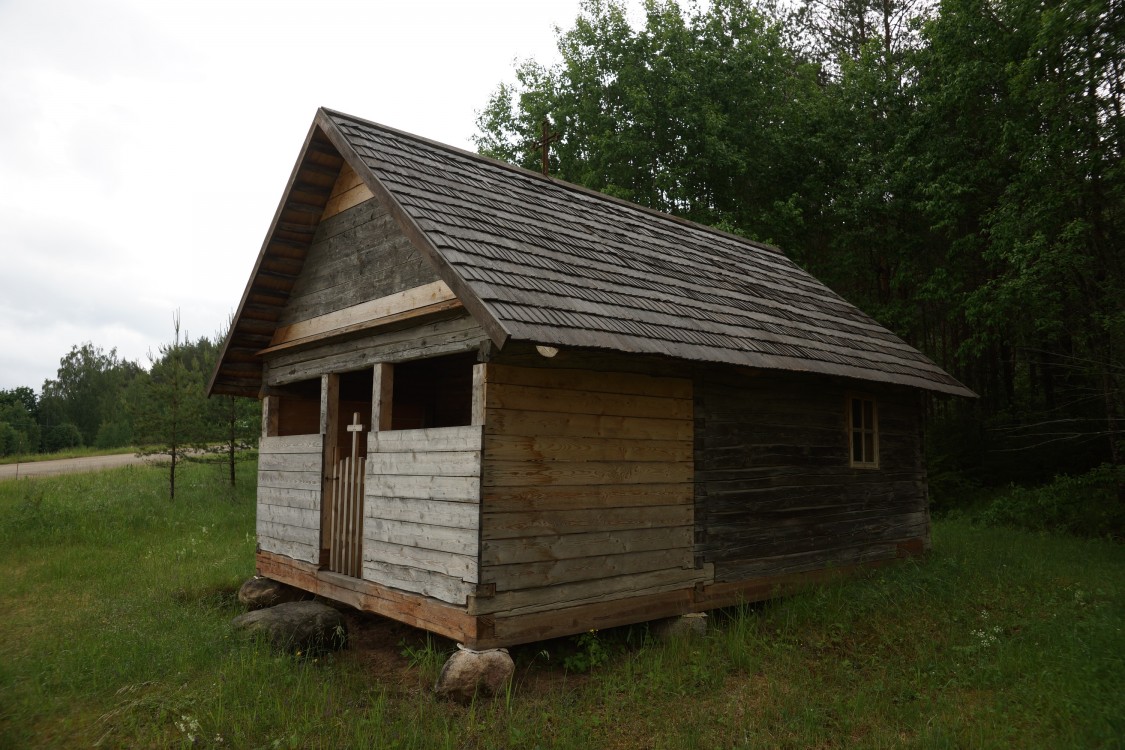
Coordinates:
<point>480,393</point>
<point>271,413</point>
<point>329,420</point>
<point>382,397</point>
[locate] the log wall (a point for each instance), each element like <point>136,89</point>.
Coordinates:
<point>586,488</point>
<point>775,493</point>
<point>289,479</point>
<point>422,512</point>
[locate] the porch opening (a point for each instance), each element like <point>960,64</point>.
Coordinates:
<point>436,392</point>
<point>298,408</point>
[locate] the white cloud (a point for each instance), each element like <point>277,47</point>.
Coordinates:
<point>144,145</point>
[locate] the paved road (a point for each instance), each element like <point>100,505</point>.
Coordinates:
<point>70,465</point>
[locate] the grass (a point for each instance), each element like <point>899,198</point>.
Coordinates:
<point>116,620</point>
<point>29,458</point>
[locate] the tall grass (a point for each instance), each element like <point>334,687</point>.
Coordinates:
<point>117,604</point>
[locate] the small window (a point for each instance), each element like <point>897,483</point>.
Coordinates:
<point>863,432</point>
<point>435,392</point>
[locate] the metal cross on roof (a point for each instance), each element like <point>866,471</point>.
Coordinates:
<point>543,145</point>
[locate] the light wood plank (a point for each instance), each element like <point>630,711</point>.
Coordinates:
<point>285,532</point>
<point>289,515</point>
<point>305,552</point>
<point>432,297</point>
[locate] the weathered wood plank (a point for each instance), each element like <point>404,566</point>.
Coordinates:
<point>424,582</point>
<point>525,473</point>
<point>457,515</point>
<point>296,550</point>
<point>302,462</point>
<point>529,575</point>
<point>585,592</point>
<point>290,515</point>
<point>588,544</point>
<point>587,380</point>
<point>300,480</point>
<point>454,489</point>
<point>289,497</point>
<point>452,336</point>
<point>460,541</point>
<point>446,463</point>
<point>538,523</point>
<point>291,444</point>
<point>434,439</point>
<point>546,497</point>
<point>553,448</point>
<point>285,532</point>
<point>458,566</point>
<point>570,401</point>
<point>537,423</point>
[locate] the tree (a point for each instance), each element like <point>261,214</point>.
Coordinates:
<point>87,390</point>
<point>232,421</point>
<point>169,416</point>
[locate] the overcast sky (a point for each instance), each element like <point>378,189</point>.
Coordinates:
<point>144,144</point>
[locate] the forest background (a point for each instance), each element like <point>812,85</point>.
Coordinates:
<point>954,168</point>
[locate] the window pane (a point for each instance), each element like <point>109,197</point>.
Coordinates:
<point>868,447</point>
<point>857,413</point>
<point>869,415</point>
<point>857,446</point>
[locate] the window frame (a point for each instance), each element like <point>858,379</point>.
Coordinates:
<point>863,461</point>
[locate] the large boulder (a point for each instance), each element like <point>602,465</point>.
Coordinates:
<point>297,627</point>
<point>471,673</point>
<point>259,592</point>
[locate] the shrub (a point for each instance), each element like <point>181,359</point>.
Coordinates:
<point>62,436</point>
<point>113,435</point>
<point>1090,505</point>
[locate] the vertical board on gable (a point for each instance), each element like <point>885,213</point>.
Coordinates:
<point>586,488</point>
<point>289,477</point>
<point>356,255</point>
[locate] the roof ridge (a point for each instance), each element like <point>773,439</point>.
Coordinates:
<point>572,186</point>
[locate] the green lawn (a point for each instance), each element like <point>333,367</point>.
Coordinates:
<point>117,604</point>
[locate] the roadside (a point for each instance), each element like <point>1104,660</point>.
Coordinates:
<point>73,465</point>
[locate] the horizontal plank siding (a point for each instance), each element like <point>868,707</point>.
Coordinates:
<point>586,487</point>
<point>422,511</point>
<point>775,493</point>
<point>289,491</point>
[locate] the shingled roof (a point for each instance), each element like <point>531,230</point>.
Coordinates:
<point>543,261</point>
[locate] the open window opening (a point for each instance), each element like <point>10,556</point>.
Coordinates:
<point>863,432</point>
<point>298,408</point>
<point>435,392</point>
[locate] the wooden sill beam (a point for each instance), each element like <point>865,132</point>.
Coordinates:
<point>410,303</point>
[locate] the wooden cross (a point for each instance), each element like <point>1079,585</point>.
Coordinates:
<point>543,145</point>
<point>355,428</point>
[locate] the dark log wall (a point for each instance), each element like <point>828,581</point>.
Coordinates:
<point>356,255</point>
<point>774,490</point>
